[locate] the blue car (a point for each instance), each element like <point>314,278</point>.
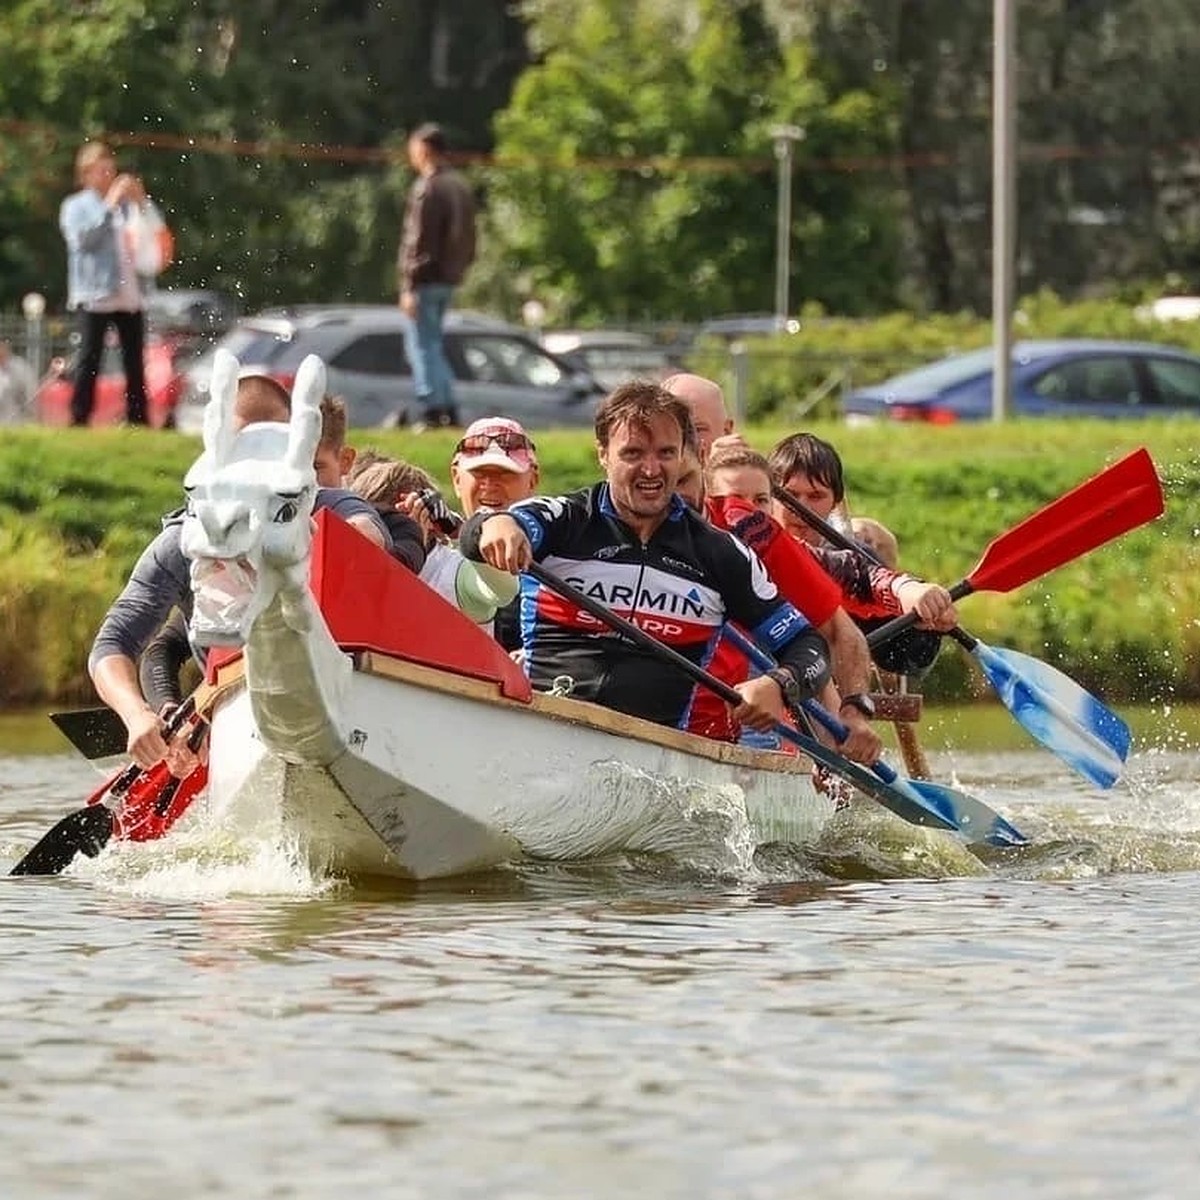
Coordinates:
<point>1064,378</point>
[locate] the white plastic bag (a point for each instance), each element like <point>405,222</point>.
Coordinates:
<point>153,242</point>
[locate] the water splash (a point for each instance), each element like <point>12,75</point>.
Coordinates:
<point>203,863</point>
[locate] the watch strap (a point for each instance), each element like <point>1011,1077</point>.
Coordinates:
<point>861,701</point>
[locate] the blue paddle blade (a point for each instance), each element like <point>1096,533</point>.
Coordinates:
<point>975,821</point>
<point>1065,718</point>
<point>918,800</point>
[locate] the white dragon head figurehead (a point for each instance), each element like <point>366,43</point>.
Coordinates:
<point>248,527</point>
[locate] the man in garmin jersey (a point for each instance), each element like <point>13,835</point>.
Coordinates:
<point>633,545</point>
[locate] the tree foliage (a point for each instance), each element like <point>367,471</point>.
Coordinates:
<point>620,192</point>
<point>1106,96</point>
<point>635,175</point>
<point>213,101</point>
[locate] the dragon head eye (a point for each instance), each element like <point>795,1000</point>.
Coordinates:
<point>289,507</point>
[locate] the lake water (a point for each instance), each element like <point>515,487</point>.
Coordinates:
<point>882,1016</point>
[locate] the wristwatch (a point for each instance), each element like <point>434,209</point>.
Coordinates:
<point>787,685</point>
<point>862,702</point>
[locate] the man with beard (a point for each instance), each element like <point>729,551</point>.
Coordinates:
<point>631,543</point>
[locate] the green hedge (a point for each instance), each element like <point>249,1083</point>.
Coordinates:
<point>76,507</point>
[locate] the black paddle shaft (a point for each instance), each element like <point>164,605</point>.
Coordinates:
<point>831,533</point>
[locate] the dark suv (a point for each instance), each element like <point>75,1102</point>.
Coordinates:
<point>498,368</point>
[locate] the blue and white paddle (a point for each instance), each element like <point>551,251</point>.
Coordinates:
<point>1068,720</point>
<point>974,820</point>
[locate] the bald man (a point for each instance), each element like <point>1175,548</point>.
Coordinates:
<point>709,415</point>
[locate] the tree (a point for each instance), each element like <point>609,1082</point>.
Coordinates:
<point>1107,92</point>
<point>216,102</point>
<point>635,177</point>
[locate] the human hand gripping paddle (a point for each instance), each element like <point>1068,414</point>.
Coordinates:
<point>971,819</point>
<point>1068,720</point>
<point>148,801</point>
<point>966,813</point>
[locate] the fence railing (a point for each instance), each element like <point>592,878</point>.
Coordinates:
<point>37,339</point>
<point>759,376</point>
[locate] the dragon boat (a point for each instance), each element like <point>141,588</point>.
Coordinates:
<point>391,736</point>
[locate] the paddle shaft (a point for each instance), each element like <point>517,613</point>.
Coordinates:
<point>834,725</point>
<point>912,808</point>
<point>831,533</point>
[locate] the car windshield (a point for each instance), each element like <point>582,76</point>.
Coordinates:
<point>499,359</point>
<point>945,373</point>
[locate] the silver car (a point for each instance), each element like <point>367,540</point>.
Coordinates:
<point>499,370</point>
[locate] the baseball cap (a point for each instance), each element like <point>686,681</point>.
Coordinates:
<point>496,442</point>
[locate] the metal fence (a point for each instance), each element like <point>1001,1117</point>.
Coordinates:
<point>38,338</point>
<point>758,376</point>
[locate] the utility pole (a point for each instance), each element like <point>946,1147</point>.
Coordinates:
<point>1004,200</point>
<point>785,138</point>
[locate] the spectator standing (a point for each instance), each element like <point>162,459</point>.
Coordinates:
<point>99,224</point>
<point>437,248</point>
<point>16,387</point>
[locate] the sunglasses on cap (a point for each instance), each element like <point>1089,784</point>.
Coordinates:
<point>481,443</point>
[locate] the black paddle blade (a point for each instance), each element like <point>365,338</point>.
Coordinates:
<point>94,732</point>
<point>85,831</point>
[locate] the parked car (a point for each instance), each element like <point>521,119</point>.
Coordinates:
<point>612,356</point>
<point>190,310</point>
<point>166,357</point>
<point>1064,378</point>
<point>498,368</point>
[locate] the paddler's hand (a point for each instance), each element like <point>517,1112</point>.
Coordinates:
<point>762,704</point>
<point>181,758</point>
<point>146,744</point>
<point>931,602</point>
<point>863,744</point>
<point>504,545</point>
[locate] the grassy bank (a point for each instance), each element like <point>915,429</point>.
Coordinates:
<point>77,507</point>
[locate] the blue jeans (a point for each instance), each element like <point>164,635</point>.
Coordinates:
<point>432,377</point>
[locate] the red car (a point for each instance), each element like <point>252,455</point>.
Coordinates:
<point>166,355</point>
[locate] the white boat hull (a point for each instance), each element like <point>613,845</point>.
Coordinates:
<point>442,776</point>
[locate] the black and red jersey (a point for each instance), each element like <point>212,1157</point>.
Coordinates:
<point>680,586</point>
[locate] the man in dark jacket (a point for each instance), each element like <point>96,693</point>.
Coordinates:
<point>437,247</point>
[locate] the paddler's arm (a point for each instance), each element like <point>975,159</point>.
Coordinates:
<point>159,581</point>
<point>851,661</point>
<point>115,677</point>
<point>497,539</point>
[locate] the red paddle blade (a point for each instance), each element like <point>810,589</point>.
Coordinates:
<point>1121,498</point>
<point>156,802</point>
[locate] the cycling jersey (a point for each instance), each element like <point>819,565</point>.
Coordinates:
<point>680,586</point>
